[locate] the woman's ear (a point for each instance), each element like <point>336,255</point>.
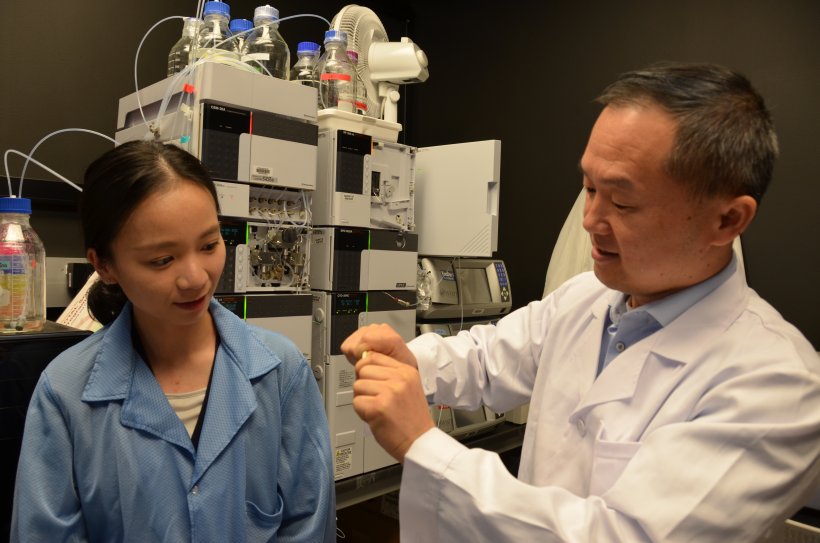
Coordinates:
<point>735,215</point>
<point>102,267</point>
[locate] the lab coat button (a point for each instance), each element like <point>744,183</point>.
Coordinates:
<point>620,346</point>
<point>582,427</point>
<point>195,490</point>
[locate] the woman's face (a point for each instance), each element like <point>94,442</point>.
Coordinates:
<point>168,256</point>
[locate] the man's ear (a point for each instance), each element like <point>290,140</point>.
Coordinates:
<point>102,267</point>
<point>735,216</point>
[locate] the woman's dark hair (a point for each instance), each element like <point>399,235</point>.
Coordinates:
<point>114,185</point>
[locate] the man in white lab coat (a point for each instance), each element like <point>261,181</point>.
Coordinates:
<point>668,401</point>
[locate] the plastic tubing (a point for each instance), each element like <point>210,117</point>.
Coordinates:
<point>137,57</point>
<point>44,138</point>
<point>308,212</point>
<point>43,166</point>
<point>189,69</point>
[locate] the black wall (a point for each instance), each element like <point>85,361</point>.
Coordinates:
<point>525,73</point>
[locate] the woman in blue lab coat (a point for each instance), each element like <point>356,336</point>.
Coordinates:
<point>177,421</point>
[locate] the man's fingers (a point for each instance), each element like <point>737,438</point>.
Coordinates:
<point>374,372</point>
<point>376,359</point>
<point>375,337</point>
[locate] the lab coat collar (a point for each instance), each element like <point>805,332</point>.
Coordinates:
<point>670,347</point>
<point>120,374</point>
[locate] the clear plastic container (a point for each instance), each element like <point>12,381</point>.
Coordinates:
<point>180,54</point>
<point>304,70</point>
<point>336,74</point>
<point>361,90</point>
<point>239,30</point>
<point>22,269</point>
<point>266,49</point>
<point>214,33</point>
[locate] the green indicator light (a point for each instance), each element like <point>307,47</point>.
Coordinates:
<point>247,233</point>
<point>369,233</point>
<point>366,301</point>
<point>244,308</point>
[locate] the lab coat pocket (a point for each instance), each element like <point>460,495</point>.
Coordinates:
<point>263,526</point>
<point>608,462</point>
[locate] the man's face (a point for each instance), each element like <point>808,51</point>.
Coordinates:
<point>650,238</point>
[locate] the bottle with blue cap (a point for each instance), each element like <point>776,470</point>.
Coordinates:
<point>266,49</point>
<point>336,74</point>
<point>214,44</point>
<point>362,103</point>
<point>240,30</point>
<point>22,269</point>
<point>180,55</point>
<point>303,71</point>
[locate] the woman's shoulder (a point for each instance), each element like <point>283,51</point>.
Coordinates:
<point>70,370</point>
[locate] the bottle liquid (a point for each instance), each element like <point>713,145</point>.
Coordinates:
<point>337,86</point>
<point>361,92</point>
<point>213,42</point>
<point>266,49</point>
<point>303,71</point>
<point>22,269</point>
<point>239,30</point>
<point>180,54</point>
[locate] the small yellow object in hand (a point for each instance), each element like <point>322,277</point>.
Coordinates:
<point>364,354</point>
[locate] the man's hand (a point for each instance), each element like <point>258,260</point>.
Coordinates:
<point>388,396</point>
<point>379,338</point>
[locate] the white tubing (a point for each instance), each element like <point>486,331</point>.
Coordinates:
<point>43,166</point>
<point>44,138</point>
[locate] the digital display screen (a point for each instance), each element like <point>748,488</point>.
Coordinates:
<point>466,418</point>
<point>474,286</point>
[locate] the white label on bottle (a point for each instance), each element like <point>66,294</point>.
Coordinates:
<point>216,55</point>
<point>256,56</point>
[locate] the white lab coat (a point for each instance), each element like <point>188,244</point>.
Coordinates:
<point>707,430</point>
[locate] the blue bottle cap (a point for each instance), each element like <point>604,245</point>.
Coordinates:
<point>336,36</point>
<point>240,25</point>
<point>217,7</point>
<point>307,47</point>
<point>15,205</point>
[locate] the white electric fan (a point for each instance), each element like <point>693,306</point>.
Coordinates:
<point>383,65</point>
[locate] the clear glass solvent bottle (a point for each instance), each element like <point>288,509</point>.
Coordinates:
<point>22,269</point>
<point>303,71</point>
<point>180,54</point>
<point>266,49</point>
<point>214,44</point>
<point>336,74</point>
<point>240,32</point>
<point>361,103</point>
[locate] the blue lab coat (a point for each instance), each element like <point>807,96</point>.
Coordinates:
<point>105,458</point>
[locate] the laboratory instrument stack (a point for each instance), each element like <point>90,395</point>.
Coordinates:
<point>457,198</point>
<point>363,271</point>
<point>258,137</point>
